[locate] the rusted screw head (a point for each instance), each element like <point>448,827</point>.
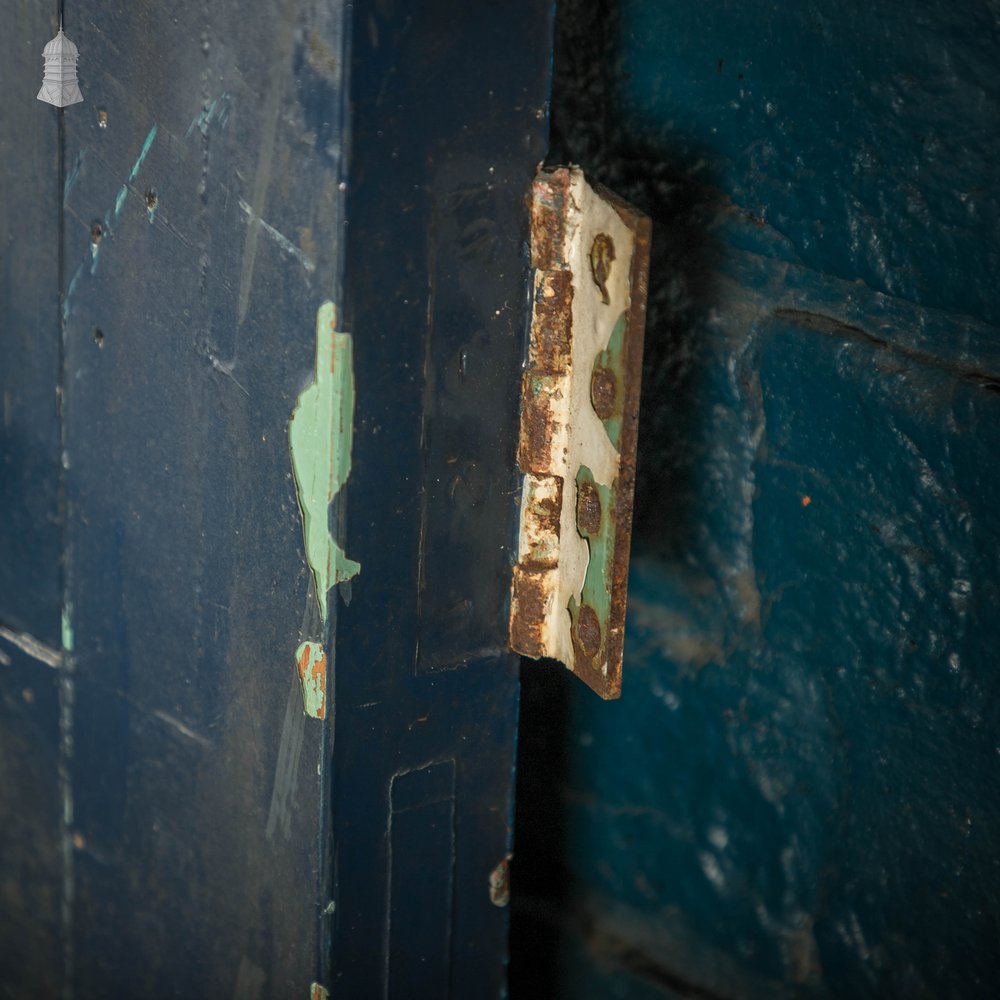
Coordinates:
<point>588,630</point>
<point>588,508</point>
<point>96,233</point>
<point>500,883</point>
<point>603,392</point>
<point>602,253</point>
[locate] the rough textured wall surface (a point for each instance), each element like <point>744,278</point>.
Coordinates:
<point>799,792</point>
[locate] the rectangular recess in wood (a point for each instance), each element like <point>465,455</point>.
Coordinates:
<point>579,421</point>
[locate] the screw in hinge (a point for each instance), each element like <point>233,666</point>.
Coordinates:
<point>588,630</point>
<point>602,253</point>
<point>603,391</point>
<point>588,509</point>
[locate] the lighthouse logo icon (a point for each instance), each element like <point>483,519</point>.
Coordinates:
<point>59,85</point>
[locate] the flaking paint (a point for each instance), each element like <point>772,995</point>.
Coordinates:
<point>133,173</point>
<point>310,658</point>
<point>319,436</point>
<point>216,109</point>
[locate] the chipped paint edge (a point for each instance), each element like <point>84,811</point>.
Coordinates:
<point>320,438</point>
<point>310,659</point>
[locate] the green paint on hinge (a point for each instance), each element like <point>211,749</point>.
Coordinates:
<point>67,628</point>
<point>319,435</point>
<point>311,661</point>
<point>596,593</point>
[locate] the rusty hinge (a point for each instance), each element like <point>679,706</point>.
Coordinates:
<point>579,417</point>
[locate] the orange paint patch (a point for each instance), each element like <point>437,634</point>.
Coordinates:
<point>312,675</point>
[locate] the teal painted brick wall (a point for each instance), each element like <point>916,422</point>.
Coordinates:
<point>799,792</point>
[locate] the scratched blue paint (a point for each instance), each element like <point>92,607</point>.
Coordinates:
<point>798,793</point>
<point>217,108</point>
<point>70,291</point>
<point>73,175</point>
<point>201,120</point>
<point>133,173</point>
<point>146,146</point>
<point>106,222</point>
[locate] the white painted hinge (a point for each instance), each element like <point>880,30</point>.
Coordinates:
<point>579,416</point>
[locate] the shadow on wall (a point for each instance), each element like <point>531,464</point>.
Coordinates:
<point>681,199</point>
<point>796,794</point>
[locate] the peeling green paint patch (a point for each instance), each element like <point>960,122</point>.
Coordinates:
<point>67,628</point>
<point>311,661</point>
<point>320,433</point>
<point>317,992</point>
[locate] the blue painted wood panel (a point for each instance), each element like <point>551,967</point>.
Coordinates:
<point>201,236</point>
<point>31,843</point>
<point>30,356</point>
<point>448,128</point>
<point>194,831</point>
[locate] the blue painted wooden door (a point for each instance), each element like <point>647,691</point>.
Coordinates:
<point>173,823</point>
